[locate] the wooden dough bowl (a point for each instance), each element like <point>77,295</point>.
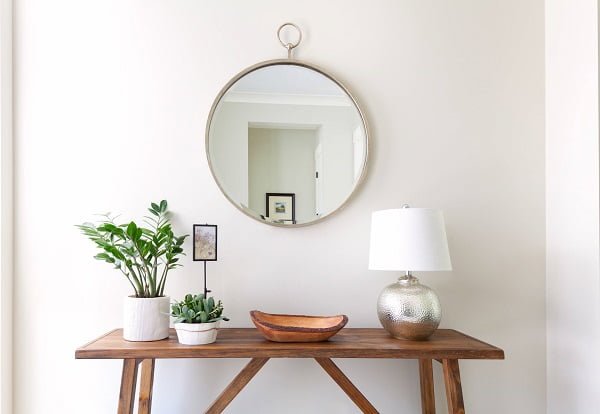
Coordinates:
<point>297,328</point>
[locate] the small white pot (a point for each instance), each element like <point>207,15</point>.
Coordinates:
<point>146,319</point>
<point>197,333</point>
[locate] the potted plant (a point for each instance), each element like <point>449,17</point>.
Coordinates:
<point>197,319</point>
<point>144,256</point>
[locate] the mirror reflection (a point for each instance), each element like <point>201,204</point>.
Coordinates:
<point>286,144</point>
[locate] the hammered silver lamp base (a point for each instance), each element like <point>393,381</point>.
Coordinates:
<point>408,309</point>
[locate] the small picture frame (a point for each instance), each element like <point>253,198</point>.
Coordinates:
<point>281,207</point>
<point>205,242</point>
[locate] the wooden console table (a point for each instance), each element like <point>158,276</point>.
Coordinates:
<point>445,346</point>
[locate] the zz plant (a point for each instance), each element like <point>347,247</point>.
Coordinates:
<point>143,255</point>
<point>197,309</point>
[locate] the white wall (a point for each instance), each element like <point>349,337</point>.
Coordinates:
<point>111,103</point>
<point>572,171</point>
<point>6,209</point>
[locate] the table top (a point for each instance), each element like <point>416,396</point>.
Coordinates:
<point>249,343</point>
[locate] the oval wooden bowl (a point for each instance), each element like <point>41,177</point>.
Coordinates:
<point>297,328</point>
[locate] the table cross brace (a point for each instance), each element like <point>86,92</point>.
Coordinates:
<point>130,371</point>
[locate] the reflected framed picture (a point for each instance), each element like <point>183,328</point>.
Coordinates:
<point>281,206</point>
<point>205,242</point>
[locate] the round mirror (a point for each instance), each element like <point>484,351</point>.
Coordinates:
<point>286,143</point>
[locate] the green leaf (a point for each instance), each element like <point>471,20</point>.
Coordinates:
<point>203,317</point>
<point>108,227</point>
<point>132,230</point>
<point>147,232</point>
<point>144,252</point>
<point>115,252</point>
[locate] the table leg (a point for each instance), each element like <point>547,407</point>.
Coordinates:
<point>146,383</point>
<point>427,387</point>
<point>345,384</point>
<point>238,383</point>
<point>453,386</point>
<point>128,382</point>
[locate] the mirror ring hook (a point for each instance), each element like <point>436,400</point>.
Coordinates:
<point>289,46</point>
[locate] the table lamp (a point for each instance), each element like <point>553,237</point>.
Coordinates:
<point>409,239</point>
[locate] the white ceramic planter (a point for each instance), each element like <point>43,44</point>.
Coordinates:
<point>197,333</point>
<point>146,319</point>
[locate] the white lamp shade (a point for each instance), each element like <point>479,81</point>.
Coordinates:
<point>409,239</point>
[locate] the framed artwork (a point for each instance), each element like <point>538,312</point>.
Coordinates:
<point>205,242</point>
<point>281,206</point>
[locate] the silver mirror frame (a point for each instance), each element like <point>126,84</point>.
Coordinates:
<point>276,62</point>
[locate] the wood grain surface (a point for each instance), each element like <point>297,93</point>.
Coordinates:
<point>146,385</point>
<point>238,383</point>
<point>128,383</point>
<point>454,394</point>
<point>427,386</point>
<point>297,328</point>
<point>345,384</point>
<point>249,343</point>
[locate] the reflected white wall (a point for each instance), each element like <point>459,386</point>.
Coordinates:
<point>335,125</point>
<point>282,161</point>
<point>229,153</point>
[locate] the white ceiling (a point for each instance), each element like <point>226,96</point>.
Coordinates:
<point>287,80</point>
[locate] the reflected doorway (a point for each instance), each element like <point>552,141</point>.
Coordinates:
<point>281,159</point>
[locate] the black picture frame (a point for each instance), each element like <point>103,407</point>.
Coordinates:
<point>291,196</point>
<point>196,240</point>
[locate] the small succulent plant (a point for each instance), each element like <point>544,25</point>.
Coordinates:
<point>197,309</point>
